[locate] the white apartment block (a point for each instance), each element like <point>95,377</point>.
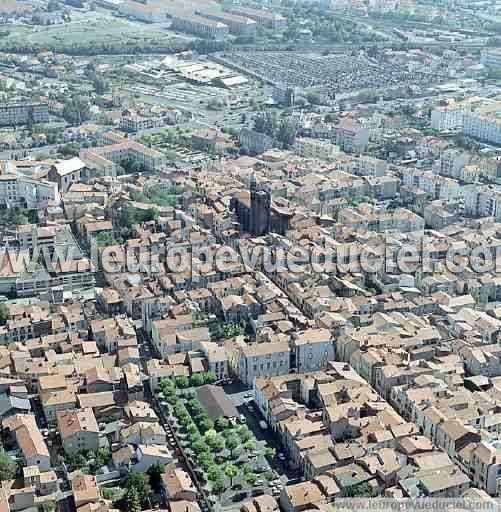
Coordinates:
<point>439,187</point>
<point>491,57</point>
<point>313,148</point>
<point>370,166</point>
<point>450,117</point>
<point>482,201</point>
<point>486,128</point>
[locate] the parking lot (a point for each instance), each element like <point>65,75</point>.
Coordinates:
<point>339,72</point>
<point>241,396</point>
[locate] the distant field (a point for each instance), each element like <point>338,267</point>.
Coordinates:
<point>105,32</point>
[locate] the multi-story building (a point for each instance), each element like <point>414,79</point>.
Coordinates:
<point>313,148</point>
<point>439,187</point>
<point>482,201</point>
<point>237,25</point>
<point>200,26</point>
<point>312,350</point>
<point>260,360</point>
<point>23,191</point>
<point>134,122</point>
<point>13,114</point>
<point>78,429</point>
<point>352,137</point>
<point>449,117</point>
<point>142,11</point>
<point>491,57</point>
<point>265,18</point>
<point>117,149</point>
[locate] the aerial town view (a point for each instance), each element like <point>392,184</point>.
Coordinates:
<point>250,255</point>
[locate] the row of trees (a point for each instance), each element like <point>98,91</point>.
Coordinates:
<point>168,386</point>
<point>214,444</point>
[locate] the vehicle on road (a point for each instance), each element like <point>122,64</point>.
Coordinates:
<point>242,419</point>
<point>263,425</point>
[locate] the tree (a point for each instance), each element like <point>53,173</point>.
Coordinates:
<point>155,473</point>
<point>362,490</point>
<point>250,477</point>
<point>220,424</point>
<point>231,471</point>
<point>76,111</point>
<point>214,473</point>
<point>200,447</point>
<point>209,377</point>
<point>218,486</point>
<point>132,500</point>
<point>139,482</point>
<point>232,442</point>
<point>269,452</point>
<point>206,424</point>
<point>196,380</point>
<point>182,381</point>
<point>4,313</point>
<point>286,133</point>
<point>8,466</point>
<point>244,433</point>
<point>250,445</point>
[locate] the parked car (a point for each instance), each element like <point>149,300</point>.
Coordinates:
<point>242,419</point>
<point>263,425</point>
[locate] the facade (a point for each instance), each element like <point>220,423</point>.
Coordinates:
<point>313,148</point>
<point>200,26</point>
<point>261,359</point>
<point>237,25</point>
<point>265,18</point>
<point>491,57</point>
<point>482,201</point>
<point>352,137</point>
<point>312,350</point>
<point>18,190</point>
<point>78,429</point>
<point>449,117</point>
<point>254,143</point>
<point>13,114</point>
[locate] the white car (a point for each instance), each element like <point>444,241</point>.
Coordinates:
<point>263,425</point>
<point>242,419</point>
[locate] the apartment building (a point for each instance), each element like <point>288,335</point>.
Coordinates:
<point>78,429</point>
<point>266,18</point>
<point>491,57</point>
<point>484,123</point>
<point>237,25</point>
<point>200,26</point>
<point>13,114</point>
<point>439,187</point>
<point>449,117</point>
<point>352,137</point>
<point>482,201</point>
<point>313,148</point>
<point>370,166</point>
